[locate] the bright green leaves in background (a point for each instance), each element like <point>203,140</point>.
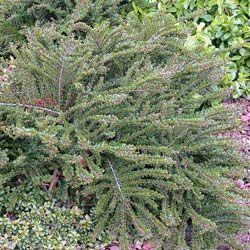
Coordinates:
<point>220,24</point>
<point>115,118</point>
<point>223,24</point>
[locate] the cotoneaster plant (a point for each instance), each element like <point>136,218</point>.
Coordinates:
<point>119,118</point>
<point>222,24</point>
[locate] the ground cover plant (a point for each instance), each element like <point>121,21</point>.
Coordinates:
<point>116,120</point>
<point>18,16</point>
<point>218,24</point>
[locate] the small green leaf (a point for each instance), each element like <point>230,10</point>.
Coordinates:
<point>238,93</point>
<point>226,36</point>
<point>235,58</point>
<point>135,7</point>
<point>242,52</point>
<point>186,4</point>
<point>172,9</point>
<point>248,63</point>
<point>208,18</point>
<point>247,45</point>
<point>220,6</point>
<point>191,42</point>
<point>197,96</point>
<point>204,38</point>
<point>200,26</point>
<point>237,41</point>
<point>219,34</point>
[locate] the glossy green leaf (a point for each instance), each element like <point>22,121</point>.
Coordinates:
<point>243,52</point>
<point>191,42</point>
<point>208,18</point>
<point>220,6</point>
<point>235,58</point>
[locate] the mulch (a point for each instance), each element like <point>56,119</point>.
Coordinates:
<point>244,133</point>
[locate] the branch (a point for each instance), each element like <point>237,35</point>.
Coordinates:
<point>29,106</point>
<point>54,179</point>
<point>60,78</point>
<point>116,179</point>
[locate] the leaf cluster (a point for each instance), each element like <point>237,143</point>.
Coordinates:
<point>123,114</point>
<point>218,24</point>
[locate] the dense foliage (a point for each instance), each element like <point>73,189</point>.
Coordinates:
<point>108,124</point>
<point>47,227</point>
<point>216,23</point>
<point>117,118</point>
<point>19,16</point>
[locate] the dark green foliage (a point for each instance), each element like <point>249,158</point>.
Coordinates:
<point>17,17</point>
<point>123,113</point>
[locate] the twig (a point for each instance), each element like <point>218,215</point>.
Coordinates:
<point>29,106</point>
<point>156,33</point>
<point>60,78</point>
<point>116,179</point>
<point>54,179</point>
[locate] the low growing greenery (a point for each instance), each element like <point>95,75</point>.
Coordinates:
<point>19,16</point>
<point>117,119</point>
<point>47,227</point>
<point>217,23</point>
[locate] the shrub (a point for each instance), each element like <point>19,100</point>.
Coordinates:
<point>121,117</point>
<point>18,16</point>
<point>220,24</point>
<point>48,227</point>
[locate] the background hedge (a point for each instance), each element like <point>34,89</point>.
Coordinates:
<point>217,24</point>
<point>106,113</point>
